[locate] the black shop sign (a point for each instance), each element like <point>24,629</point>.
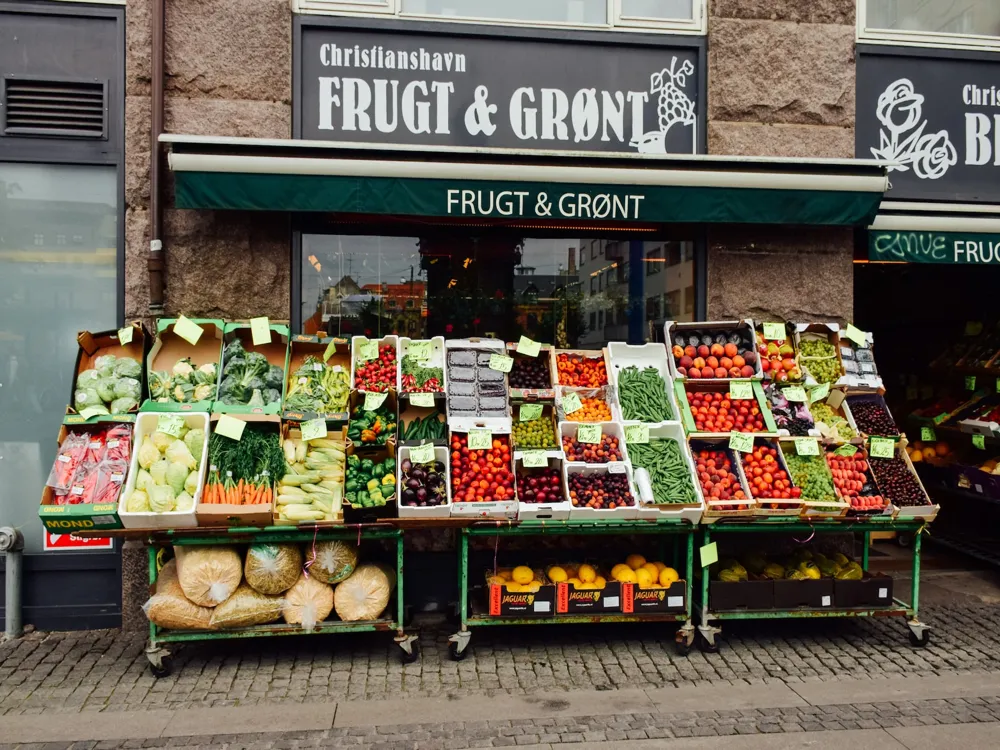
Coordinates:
<point>938,117</point>
<point>433,89</point>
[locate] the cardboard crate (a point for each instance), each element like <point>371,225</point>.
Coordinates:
<point>716,508</point>
<point>811,594</point>
<point>605,393</point>
<point>90,346</point>
<point>276,353</point>
<point>654,600</point>
<point>682,387</point>
<point>301,346</point>
<point>571,600</point>
<point>743,327</point>
<point>504,603</point>
<point>168,348</point>
<point>548,415</point>
<point>408,413</point>
<point>920,512</point>
<point>545,354</point>
<point>357,399</point>
<point>726,596</point>
<point>361,514</point>
<point>293,431</point>
<point>870,591</point>
<point>809,506</point>
<point>65,519</point>
<point>596,354</point>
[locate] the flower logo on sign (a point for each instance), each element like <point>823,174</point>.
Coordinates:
<point>674,107</point>
<point>902,139</point>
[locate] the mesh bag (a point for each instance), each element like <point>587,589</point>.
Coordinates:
<point>307,602</point>
<point>169,608</point>
<point>208,575</point>
<point>272,569</point>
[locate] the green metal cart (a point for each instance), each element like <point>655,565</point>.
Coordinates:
<point>472,614</point>
<point>391,620</point>
<point>918,631</point>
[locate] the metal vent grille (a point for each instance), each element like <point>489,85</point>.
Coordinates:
<point>36,106</point>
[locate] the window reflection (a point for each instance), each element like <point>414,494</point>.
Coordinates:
<point>976,17</point>
<point>572,292</point>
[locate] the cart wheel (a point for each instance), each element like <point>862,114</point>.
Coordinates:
<point>683,647</point>
<point>920,641</point>
<point>408,657</point>
<point>707,646</point>
<point>904,540</point>
<point>159,661</point>
<point>454,653</point>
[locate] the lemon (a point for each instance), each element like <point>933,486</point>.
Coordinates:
<point>654,572</point>
<point>635,561</point>
<point>626,576</point>
<point>668,576</point>
<point>532,587</point>
<point>618,569</point>
<point>523,574</point>
<point>587,573</point>
<point>600,582</point>
<point>497,580</point>
<point>643,577</point>
<point>659,567</point>
<point>504,573</point>
<point>557,574</point>
<point>575,581</point>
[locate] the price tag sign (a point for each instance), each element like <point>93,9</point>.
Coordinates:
<point>314,429</point>
<point>170,424</point>
<point>422,454</point>
<point>970,382</point>
<point>528,347</point>
<point>422,399</point>
<point>807,446</point>
<point>589,433</point>
<point>927,434</point>
<point>741,389</point>
<point>856,335</point>
<point>846,450</point>
<point>260,331</point>
<point>534,459</point>
<point>881,447</point>
<point>330,350</point>
<point>571,402</point>
<point>125,335</point>
<point>501,362</point>
<point>419,349</point>
<point>529,412</point>
<point>775,331</point>
<point>616,468</point>
<point>188,330</point>
<point>741,441</point>
<point>979,441</point>
<point>709,554</point>
<point>229,427</point>
<point>374,400</point>
<point>367,350</point>
<point>973,328</point>
<point>998,385</point>
<point>795,393</point>
<point>480,440</point>
<point>93,411</point>
<point>637,433</point>
<point>819,393</point>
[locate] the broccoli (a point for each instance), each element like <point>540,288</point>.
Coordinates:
<point>272,396</point>
<point>275,377</point>
<point>244,374</point>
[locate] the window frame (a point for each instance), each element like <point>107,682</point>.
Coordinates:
<point>930,39</point>
<point>696,25</point>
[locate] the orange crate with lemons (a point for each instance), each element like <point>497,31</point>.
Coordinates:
<point>583,588</point>
<point>520,592</point>
<point>649,586</point>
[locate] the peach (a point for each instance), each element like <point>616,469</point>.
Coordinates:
<point>712,362</point>
<point>718,350</point>
<point>703,351</point>
<point>691,351</point>
<point>720,372</point>
<point>731,350</point>
<point>678,352</point>
<point>699,362</point>
<point>686,361</point>
<point>694,372</point>
<point>725,363</point>
<point>738,361</point>
<point>747,371</point>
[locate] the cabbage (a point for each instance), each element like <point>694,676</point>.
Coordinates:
<point>149,454</point>
<point>177,474</point>
<point>162,441</point>
<point>162,499</point>
<point>88,379</point>
<point>124,405</point>
<point>98,409</point>
<point>143,480</point>
<point>191,483</point>
<point>195,442</point>
<point>106,389</point>
<point>127,387</point>
<point>105,365</point>
<point>184,501</point>
<point>86,397</point>
<point>159,471</point>
<point>137,502</point>
<point>178,452</point>
<point>126,367</point>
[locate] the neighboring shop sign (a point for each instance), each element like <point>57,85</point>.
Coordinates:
<point>63,542</point>
<point>956,248</point>
<point>939,117</point>
<point>368,86</point>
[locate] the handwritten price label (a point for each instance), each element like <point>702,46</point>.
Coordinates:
<point>529,412</point>
<point>806,447</point>
<point>527,347</point>
<point>170,424</point>
<point>741,441</point>
<point>422,454</point>
<point>927,434</point>
<point>856,335</point>
<point>374,400</point>
<point>314,429</point>
<point>419,349</point>
<point>422,399</point>
<point>501,362</point>
<point>188,330</point>
<point>589,433</point>
<point>637,433</point>
<point>881,447</point>
<point>330,350</point>
<point>819,393</point>
<point>970,382</point>
<point>795,393</point>
<point>775,331</point>
<point>260,331</point>
<point>571,402</point>
<point>125,335</point>
<point>534,459</point>
<point>480,440</point>
<point>846,450</point>
<point>741,389</point>
<point>367,350</point>
<point>979,441</point>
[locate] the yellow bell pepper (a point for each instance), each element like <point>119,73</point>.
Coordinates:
<point>389,479</point>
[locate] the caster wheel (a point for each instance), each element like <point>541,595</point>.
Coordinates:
<point>706,647</point>
<point>683,647</point>
<point>160,670</point>
<point>454,653</point>
<point>920,642</point>
<point>412,656</point>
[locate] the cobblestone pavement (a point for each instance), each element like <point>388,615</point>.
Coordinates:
<point>571,730</point>
<point>106,670</point>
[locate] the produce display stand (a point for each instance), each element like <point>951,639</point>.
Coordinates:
<point>473,615</point>
<point>391,620</point>
<point>918,631</point>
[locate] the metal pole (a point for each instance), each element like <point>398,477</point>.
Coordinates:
<point>12,543</point>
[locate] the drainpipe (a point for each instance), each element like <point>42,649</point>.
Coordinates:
<point>12,543</point>
<point>154,261</point>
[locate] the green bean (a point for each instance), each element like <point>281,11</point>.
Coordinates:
<point>643,395</point>
<point>669,473</point>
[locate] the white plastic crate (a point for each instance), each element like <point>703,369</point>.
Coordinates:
<point>549,511</point>
<point>690,512</point>
<point>614,429</point>
<point>642,356</point>
<point>357,340</point>
<point>409,511</point>
<point>627,512</point>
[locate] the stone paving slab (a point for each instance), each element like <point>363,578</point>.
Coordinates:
<point>966,736</point>
<point>71,727</point>
<point>859,738</point>
<point>687,698</point>
<point>901,689</point>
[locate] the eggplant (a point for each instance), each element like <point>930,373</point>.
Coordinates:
<point>412,483</point>
<point>433,480</point>
<point>418,474</point>
<point>406,466</point>
<point>422,495</point>
<point>439,467</point>
<point>409,497</point>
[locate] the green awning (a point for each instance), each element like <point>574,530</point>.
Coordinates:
<point>300,177</point>
<point>952,248</point>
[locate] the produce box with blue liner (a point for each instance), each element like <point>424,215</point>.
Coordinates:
<point>110,381</point>
<point>253,374</point>
<point>183,371</point>
<point>318,382</point>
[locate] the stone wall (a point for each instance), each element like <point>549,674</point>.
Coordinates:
<point>781,82</point>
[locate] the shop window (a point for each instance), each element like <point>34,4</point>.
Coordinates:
<point>689,301</point>
<point>594,249</point>
<point>453,284</point>
<point>674,255</point>
<point>973,24</point>
<point>685,16</point>
<point>654,261</point>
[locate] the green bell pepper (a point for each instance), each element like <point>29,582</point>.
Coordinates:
<point>353,461</point>
<point>367,465</point>
<point>378,471</point>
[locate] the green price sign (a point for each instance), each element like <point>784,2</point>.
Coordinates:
<point>125,335</point>
<point>846,450</point>
<point>422,399</point>
<point>534,459</point>
<point>637,433</point>
<point>170,424</point>
<point>314,429</point>
<point>881,447</point>
<point>819,393</point>
<point>571,402</point>
<point>330,350</point>
<point>979,441</point>
<point>528,347</point>
<point>367,350</point>
<point>589,433</point>
<point>741,389</point>
<point>420,350</point>
<point>741,441</point>
<point>188,330</point>
<point>775,331</point>
<point>230,427</point>
<point>374,400</point>
<point>422,454</point>
<point>927,434</point>
<point>260,331</point>
<point>480,440</point>
<point>807,446</point>
<point>856,335</point>
<point>709,554</point>
<point>529,412</point>
<point>795,393</point>
<point>501,362</point>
